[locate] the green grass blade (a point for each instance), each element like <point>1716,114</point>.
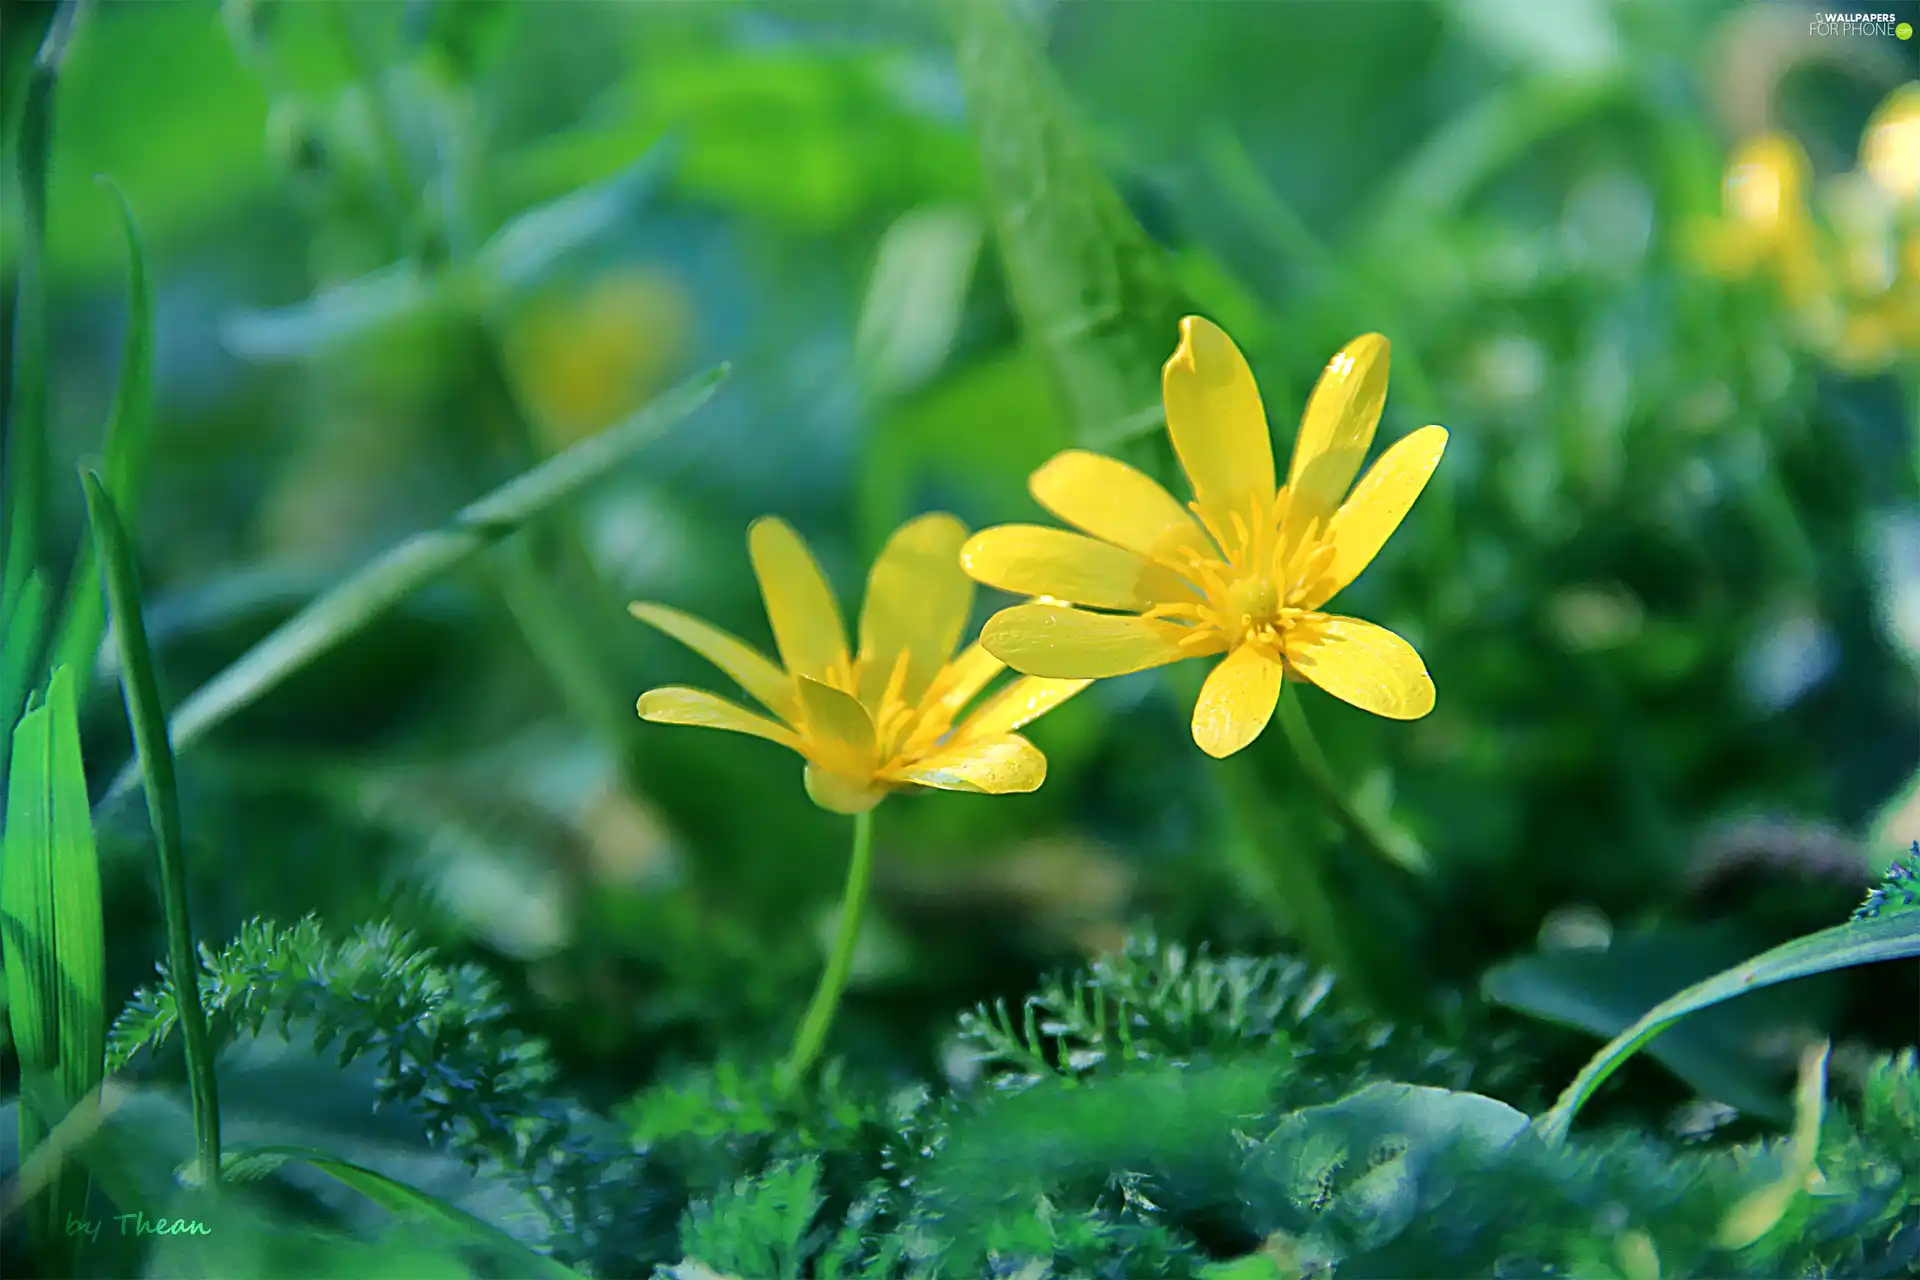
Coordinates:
<point>20,631</point>
<point>404,1201</point>
<point>1894,936</point>
<point>26,434</point>
<point>149,720</point>
<point>419,560</point>
<point>1092,290</point>
<point>51,933</point>
<point>125,454</point>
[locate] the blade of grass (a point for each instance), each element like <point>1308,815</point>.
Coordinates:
<point>149,720</point>
<point>26,432</point>
<point>20,630</point>
<point>403,1201</point>
<point>1894,936</point>
<point>1093,291</point>
<point>51,934</point>
<point>403,570</point>
<point>125,453</point>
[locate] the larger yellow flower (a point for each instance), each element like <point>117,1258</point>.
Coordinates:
<point>883,719</point>
<point>1250,577</point>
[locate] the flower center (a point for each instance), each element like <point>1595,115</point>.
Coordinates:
<point>1253,600</point>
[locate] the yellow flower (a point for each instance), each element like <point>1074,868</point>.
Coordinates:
<point>1890,147</point>
<point>1250,577</point>
<point>1766,223</point>
<point>884,719</point>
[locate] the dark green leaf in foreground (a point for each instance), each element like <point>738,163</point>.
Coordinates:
<point>1891,936</point>
<point>406,568</point>
<point>1092,290</point>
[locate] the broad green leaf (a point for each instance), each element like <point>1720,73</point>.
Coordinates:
<point>1092,290</point>
<point>916,297</point>
<point>251,1163</point>
<point>51,935</point>
<point>1366,1164</point>
<point>149,721</point>
<point>26,435</point>
<point>1894,936</point>
<point>128,430</point>
<point>1604,991</point>
<point>419,560</point>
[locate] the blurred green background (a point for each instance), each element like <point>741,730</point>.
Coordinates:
<point>1667,579</point>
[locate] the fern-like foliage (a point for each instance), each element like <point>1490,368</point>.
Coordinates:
<point>1899,890</point>
<point>443,1045</point>
<point>1155,1001</point>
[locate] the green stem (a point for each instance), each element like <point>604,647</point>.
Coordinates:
<point>812,1036</point>
<point>1393,847</point>
<point>148,717</point>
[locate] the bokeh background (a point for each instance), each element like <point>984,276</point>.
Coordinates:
<point>1667,578</point>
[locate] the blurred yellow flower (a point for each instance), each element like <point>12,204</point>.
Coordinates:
<point>1766,224</point>
<point>1890,147</point>
<point>883,719</point>
<point>1250,577</point>
<point>584,358</point>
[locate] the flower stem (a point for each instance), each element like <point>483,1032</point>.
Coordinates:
<point>1394,847</point>
<point>812,1036</point>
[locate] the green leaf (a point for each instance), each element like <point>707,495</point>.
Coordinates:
<point>51,935</point>
<point>916,297</point>
<point>1894,936</point>
<point>149,720</point>
<point>26,437</point>
<point>388,296</point>
<point>20,629</point>
<point>129,427</point>
<point>1604,991</point>
<point>252,1163</point>
<point>1092,290</point>
<point>406,568</point>
<point>530,245</point>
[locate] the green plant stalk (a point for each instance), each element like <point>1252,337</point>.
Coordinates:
<point>1400,851</point>
<point>149,720</point>
<point>812,1036</point>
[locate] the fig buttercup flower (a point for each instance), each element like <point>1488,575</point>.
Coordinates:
<point>881,719</point>
<point>1767,222</point>
<point>1244,570</point>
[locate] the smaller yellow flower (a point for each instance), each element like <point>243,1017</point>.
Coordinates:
<point>883,719</point>
<point>1766,224</point>
<point>1250,577</point>
<point>1890,147</point>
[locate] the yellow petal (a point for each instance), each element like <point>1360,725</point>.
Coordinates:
<point>1336,431</point>
<point>1048,640</point>
<point>1236,701</point>
<point>1218,426</point>
<point>957,683</point>
<point>1115,503</point>
<point>1368,666</point>
<point>837,729</point>
<point>1765,184</point>
<point>839,793</point>
<point>1379,502</point>
<point>800,605</point>
<point>1032,560</point>
<point>918,598</point>
<point>764,682</point>
<point>993,766</point>
<point>1021,703</point>
<point>675,704</point>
